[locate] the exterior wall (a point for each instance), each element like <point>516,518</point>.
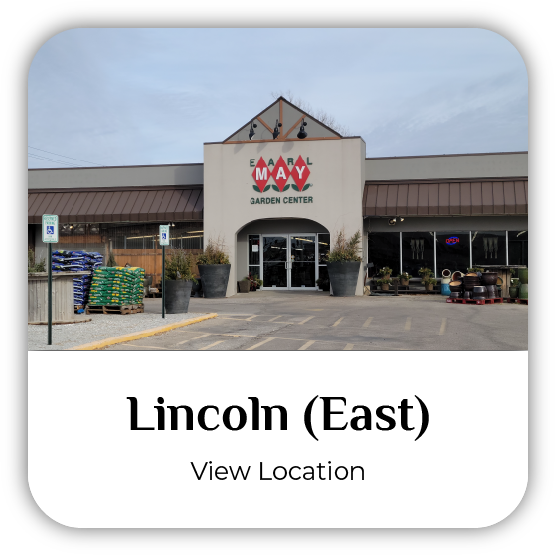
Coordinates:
<point>125,176</point>
<point>448,224</point>
<point>270,227</point>
<point>336,172</point>
<point>497,165</point>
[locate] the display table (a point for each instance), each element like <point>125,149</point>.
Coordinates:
<point>505,273</point>
<point>62,298</point>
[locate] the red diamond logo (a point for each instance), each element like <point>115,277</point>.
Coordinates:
<point>261,174</point>
<point>280,173</point>
<point>300,173</point>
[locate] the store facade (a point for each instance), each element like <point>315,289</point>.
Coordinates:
<point>276,200</point>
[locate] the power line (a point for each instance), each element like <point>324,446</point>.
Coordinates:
<point>52,160</point>
<point>64,156</point>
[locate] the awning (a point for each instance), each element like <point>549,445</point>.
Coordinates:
<point>454,197</point>
<point>139,204</point>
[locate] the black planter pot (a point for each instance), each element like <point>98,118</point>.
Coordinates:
<point>176,296</point>
<point>343,278</point>
<point>215,279</point>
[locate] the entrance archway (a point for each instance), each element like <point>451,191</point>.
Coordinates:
<point>286,253</point>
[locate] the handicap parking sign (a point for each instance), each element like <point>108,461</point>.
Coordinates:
<point>164,234</point>
<point>50,228</point>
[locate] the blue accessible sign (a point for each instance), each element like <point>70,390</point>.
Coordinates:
<point>50,228</point>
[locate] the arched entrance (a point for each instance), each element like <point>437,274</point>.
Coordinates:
<point>287,254</point>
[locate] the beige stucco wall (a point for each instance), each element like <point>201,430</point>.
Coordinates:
<point>495,165</point>
<point>337,173</point>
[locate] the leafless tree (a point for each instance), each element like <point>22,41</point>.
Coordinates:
<point>319,114</point>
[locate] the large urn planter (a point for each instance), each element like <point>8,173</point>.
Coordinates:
<point>523,291</point>
<point>177,294</point>
<point>215,279</point>
<point>343,277</point>
<point>523,274</point>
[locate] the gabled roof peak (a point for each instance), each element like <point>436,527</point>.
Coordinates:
<point>290,116</point>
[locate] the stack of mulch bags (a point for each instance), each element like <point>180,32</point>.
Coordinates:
<point>77,261</point>
<point>118,285</point>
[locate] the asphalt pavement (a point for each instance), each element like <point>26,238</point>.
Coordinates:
<point>316,321</point>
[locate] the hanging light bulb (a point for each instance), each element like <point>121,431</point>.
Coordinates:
<point>302,133</point>
<point>276,131</point>
<point>252,132</point>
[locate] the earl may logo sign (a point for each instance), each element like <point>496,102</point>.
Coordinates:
<point>282,171</point>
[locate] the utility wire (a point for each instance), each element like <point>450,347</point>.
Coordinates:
<point>52,160</point>
<point>64,156</point>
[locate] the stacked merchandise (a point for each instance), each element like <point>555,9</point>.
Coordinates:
<point>117,285</point>
<point>77,261</point>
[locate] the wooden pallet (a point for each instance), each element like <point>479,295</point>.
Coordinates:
<point>516,300</point>
<point>487,301</point>
<point>119,309</point>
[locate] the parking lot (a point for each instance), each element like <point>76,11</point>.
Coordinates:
<point>316,321</point>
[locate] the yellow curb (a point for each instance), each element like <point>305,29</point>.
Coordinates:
<point>144,334</point>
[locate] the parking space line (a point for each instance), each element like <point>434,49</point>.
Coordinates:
<point>232,318</point>
<point>338,322</point>
<point>305,346</point>
<point>190,339</point>
<point>271,320</point>
<point>408,324</point>
<point>442,327</point>
<point>212,345</point>
<point>251,318</point>
<point>306,320</point>
<point>368,322</point>
<point>138,346</point>
<point>349,347</point>
<point>259,344</point>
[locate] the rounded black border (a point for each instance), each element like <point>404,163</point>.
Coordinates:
<point>328,541</point>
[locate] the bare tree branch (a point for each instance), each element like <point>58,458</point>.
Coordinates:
<point>321,115</point>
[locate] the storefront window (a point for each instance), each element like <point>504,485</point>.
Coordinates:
<point>488,248</point>
<point>518,250</point>
<point>452,252</point>
<point>384,250</point>
<point>324,247</point>
<point>417,251</point>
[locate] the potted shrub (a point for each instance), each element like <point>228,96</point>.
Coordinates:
<point>476,269</point>
<point>404,278</point>
<point>384,283</point>
<point>425,272</point>
<point>384,272</point>
<point>214,268</point>
<point>344,263</point>
<point>179,279</point>
<point>429,283</point>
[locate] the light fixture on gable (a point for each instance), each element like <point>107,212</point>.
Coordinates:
<point>276,131</point>
<point>302,133</point>
<point>252,132</point>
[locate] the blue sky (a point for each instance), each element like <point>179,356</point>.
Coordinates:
<point>154,96</point>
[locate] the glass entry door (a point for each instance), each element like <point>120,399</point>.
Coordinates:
<point>275,262</point>
<point>289,261</point>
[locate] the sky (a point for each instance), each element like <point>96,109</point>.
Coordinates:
<point>117,97</point>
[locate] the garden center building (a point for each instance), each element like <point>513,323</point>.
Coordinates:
<point>278,189</point>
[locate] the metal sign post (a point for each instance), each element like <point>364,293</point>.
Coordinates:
<point>50,236</point>
<point>164,241</point>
